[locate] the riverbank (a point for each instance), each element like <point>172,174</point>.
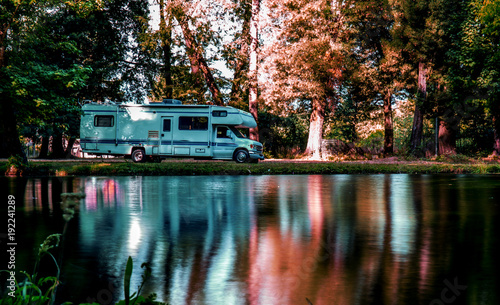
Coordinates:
<point>119,167</point>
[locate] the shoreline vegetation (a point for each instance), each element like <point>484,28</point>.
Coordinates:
<point>189,167</point>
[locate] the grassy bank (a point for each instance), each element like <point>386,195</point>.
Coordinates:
<point>79,168</point>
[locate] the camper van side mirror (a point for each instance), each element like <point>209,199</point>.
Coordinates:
<point>229,134</point>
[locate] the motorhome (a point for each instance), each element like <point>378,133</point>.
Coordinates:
<point>170,129</point>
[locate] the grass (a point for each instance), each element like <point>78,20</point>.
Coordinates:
<point>183,168</point>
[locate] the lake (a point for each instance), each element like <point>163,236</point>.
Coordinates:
<point>319,239</point>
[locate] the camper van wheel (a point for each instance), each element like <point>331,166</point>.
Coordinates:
<point>138,155</point>
<point>241,156</point>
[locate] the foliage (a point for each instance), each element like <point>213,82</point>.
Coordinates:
<point>17,164</point>
<point>205,22</point>
<point>332,61</point>
<point>59,53</point>
<point>373,143</point>
<point>34,289</point>
<point>282,137</point>
<point>136,298</point>
<point>402,128</point>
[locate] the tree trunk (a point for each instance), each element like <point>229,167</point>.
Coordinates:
<point>254,46</point>
<point>166,36</point>
<point>44,150</point>
<point>447,139</point>
<point>69,148</point>
<point>195,55</point>
<point>418,118</point>
<point>2,53</point>
<point>388,128</point>
<point>10,145</point>
<point>316,129</point>
<point>57,147</point>
<point>237,94</point>
<point>496,128</point>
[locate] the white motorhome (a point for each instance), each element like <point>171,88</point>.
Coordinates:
<point>169,129</point>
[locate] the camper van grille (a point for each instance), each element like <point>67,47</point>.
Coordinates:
<point>153,134</point>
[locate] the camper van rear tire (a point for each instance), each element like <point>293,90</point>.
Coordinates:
<point>138,155</point>
<point>241,156</point>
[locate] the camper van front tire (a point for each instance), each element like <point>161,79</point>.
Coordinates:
<point>138,155</point>
<point>241,156</point>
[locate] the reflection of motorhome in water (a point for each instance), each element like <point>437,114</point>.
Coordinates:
<point>162,130</point>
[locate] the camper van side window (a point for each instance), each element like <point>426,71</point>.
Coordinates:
<point>219,113</point>
<point>193,123</point>
<point>104,121</point>
<point>166,125</point>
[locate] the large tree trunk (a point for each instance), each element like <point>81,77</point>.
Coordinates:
<point>166,36</point>
<point>254,46</point>
<point>10,145</point>
<point>57,147</point>
<point>195,55</point>
<point>447,138</point>
<point>418,118</point>
<point>388,128</point>
<point>316,129</point>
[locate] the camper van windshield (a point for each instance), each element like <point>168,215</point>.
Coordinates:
<point>237,132</point>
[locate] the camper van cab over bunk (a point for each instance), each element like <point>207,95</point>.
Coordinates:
<point>169,129</point>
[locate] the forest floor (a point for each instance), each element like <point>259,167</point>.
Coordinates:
<point>122,167</point>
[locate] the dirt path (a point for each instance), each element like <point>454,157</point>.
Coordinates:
<point>390,160</point>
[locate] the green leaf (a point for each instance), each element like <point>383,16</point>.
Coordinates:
<point>128,276</point>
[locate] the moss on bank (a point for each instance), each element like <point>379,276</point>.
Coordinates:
<point>86,168</point>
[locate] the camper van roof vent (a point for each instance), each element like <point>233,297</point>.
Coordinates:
<point>171,101</point>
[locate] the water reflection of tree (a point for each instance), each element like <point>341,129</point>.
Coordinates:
<point>361,256</point>
<point>279,239</point>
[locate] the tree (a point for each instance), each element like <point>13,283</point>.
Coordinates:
<point>305,62</point>
<point>32,84</point>
<point>412,35</point>
<point>236,54</point>
<point>195,53</point>
<point>110,41</point>
<point>490,17</point>
<point>427,32</point>
<point>10,13</point>
<point>479,56</point>
<point>254,50</point>
<point>166,37</point>
<point>380,68</point>
<point>62,52</point>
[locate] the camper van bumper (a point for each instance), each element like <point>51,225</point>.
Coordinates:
<point>254,155</point>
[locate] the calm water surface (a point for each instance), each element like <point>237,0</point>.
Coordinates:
<point>340,239</point>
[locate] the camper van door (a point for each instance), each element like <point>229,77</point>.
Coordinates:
<point>166,135</point>
<point>224,143</point>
